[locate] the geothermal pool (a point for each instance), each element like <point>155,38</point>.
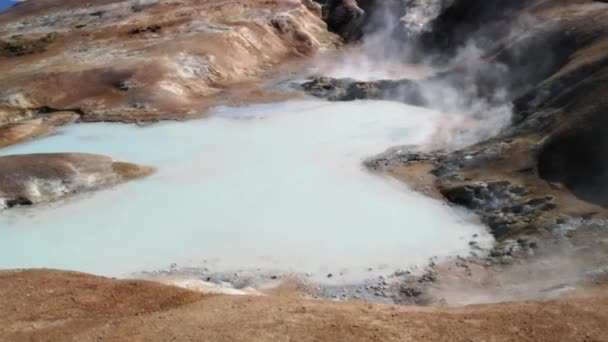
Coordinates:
<point>275,187</point>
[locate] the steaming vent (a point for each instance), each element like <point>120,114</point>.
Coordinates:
<point>420,14</point>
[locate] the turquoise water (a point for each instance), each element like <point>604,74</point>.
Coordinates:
<point>276,186</point>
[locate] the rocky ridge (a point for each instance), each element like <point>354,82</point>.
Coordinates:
<point>146,60</point>
<point>539,181</point>
<point>517,171</point>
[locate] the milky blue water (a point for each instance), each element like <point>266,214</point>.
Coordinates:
<point>276,186</point>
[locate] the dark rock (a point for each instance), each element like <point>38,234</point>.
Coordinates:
<point>24,47</point>
<point>140,30</point>
<point>462,20</point>
<point>576,158</point>
<point>464,196</point>
<point>429,276</point>
<point>410,291</point>
<point>20,201</point>
<point>548,206</point>
<point>347,89</point>
<point>537,202</point>
<point>397,156</point>
<point>345,18</point>
<point>401,273</point>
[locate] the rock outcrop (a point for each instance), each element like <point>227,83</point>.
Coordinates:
<point>558,106</point>
<point>43,124</point>
<point>548,61</point>
<point>42,178</point>
<point>345,18</point>
<point>463,20</point>
<point>142,60</point>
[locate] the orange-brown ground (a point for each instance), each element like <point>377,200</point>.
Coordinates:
<point>43,305</point>
<point>132,60</point>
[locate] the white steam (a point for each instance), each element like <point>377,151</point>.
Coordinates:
<point>390,40</point>
<point>420,14</point>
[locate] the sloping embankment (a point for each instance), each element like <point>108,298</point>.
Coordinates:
<point>44,305</point>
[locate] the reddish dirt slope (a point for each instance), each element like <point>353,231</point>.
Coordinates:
<point>40,305</point>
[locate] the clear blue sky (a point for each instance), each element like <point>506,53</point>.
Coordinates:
<point>4,4</point>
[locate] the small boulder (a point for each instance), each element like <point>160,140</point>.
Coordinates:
<point>42,178</point>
